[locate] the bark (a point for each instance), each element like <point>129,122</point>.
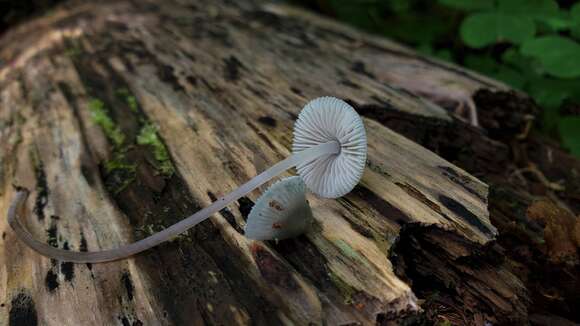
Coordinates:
<point>125,117</point>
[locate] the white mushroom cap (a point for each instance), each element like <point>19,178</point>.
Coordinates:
<point>325,119</point>
<point>281,212</point>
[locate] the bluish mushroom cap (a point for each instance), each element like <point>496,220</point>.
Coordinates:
<point>281,212</point>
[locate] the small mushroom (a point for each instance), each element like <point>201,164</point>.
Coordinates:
<point>324,120</point>
<point>329,152</point>
<point>282,212</point>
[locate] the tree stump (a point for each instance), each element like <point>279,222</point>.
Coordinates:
<point>124,117</point>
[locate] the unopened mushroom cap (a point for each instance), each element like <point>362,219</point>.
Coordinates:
<point>322,120</point>
<point>281,212</point>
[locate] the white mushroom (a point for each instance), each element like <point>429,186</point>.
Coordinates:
<point>329,153</point>
<point>281,212</point>
<point>323,120</point>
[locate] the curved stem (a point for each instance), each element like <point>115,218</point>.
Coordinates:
<point>125,251</point>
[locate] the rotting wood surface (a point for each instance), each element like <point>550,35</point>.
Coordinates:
<point>125,117</point>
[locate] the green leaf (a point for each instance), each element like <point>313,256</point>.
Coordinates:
<point>482,63</point>
<point>511,77</point>
<point>514,58</point>
<point>527,66</point>
<point>528,7</point>
<point>550,94</point>
<point>569,128</point>
<point>470,5</point>
<point>558,55</point>
<point>575,95</point>
<point>490,67</point>
<point>482,29</point>
<point>575,12</point>
<point>403,27</point>
<point>547,98</point>
<point>558,21</point>
<point>546,12</point>
<point>575,31</point>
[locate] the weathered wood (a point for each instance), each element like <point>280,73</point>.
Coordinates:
<point>222,83</point>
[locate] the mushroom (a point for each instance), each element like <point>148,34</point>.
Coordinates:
<point>282,212</point>
<point>329,152</point>
<point>324,120</point>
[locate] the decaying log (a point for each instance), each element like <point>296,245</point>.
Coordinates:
<point>126,116</point>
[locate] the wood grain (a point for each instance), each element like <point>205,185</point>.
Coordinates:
<point>223,84</point>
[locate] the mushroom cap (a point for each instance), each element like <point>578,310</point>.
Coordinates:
<point>281,212</point>
<point>326,119</point>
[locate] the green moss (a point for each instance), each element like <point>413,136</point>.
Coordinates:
<point>345,290</point>
<point>148,136</point>
<point>119,164</point>
<point>131,100</point>
<point>119,173</point>
<point>101,117</point>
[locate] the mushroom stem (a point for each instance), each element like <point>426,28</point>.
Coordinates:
<point>17,208</point>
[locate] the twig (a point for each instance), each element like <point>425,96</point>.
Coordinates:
<point>532,168</point>
<point>529,123</point>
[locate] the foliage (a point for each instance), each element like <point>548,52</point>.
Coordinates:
<point>532,45</point>
<point>539,54</point>
<point>569,127</point>
<point>557,55</point>
<point>486,28</point>
<point>130,99</point>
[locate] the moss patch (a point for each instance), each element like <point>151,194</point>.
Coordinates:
<point>118,164</point>
<point>148,136</point>
<point>121,170</point>
<point>128,98</point>
<point>101,117</point>
<point>118,171</point>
